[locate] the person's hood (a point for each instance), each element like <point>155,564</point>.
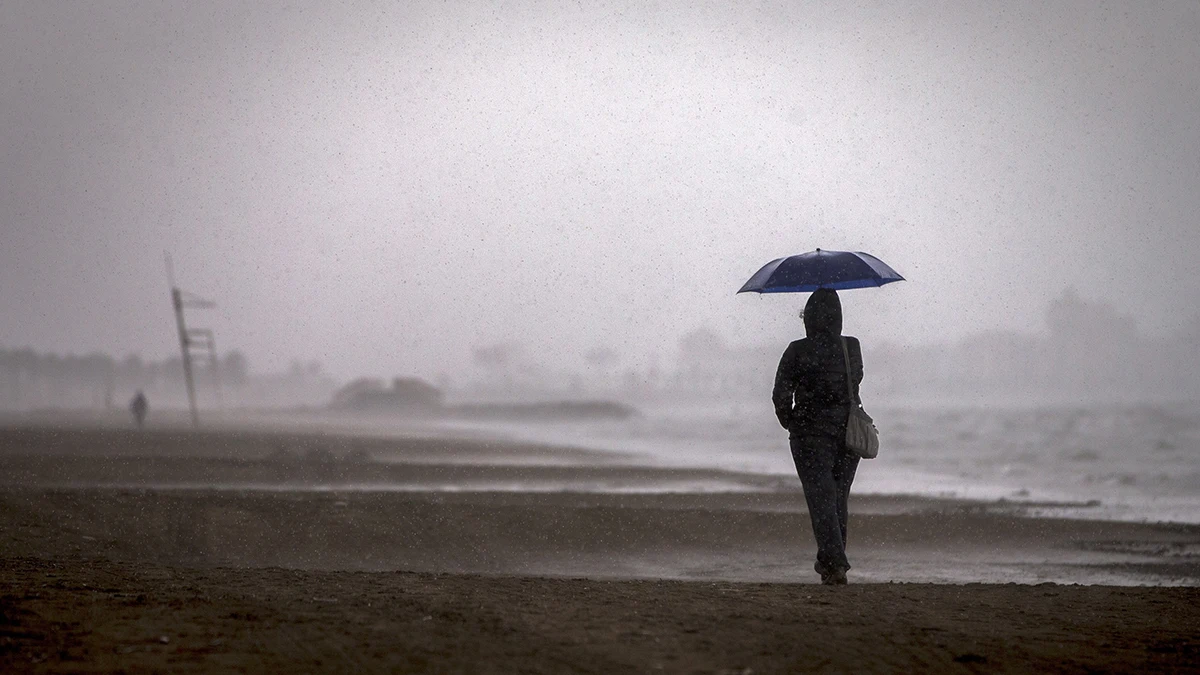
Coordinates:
<point>823,313</point>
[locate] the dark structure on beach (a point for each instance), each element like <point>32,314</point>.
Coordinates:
<point>406,394</point>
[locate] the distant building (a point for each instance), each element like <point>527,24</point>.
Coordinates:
<point>406,394</point>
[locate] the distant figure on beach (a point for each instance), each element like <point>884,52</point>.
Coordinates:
<point>139,406</point>
<point>810,399</point>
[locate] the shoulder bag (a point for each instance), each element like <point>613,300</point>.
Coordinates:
<point>862,438</point>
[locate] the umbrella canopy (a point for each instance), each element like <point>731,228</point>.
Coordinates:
<point>806,272</point>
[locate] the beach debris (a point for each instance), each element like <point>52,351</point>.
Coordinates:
<point>970,657</point>
<point>164,639</point>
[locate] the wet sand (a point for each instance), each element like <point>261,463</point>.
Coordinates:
<point>705,537</point>
<point>109,544</point>
<point>93,616</point>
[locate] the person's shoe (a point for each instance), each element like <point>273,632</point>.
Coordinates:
<point>834,578</point>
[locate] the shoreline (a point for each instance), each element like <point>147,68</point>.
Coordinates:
<point>412,460</point>
<point>326,501</point>
<point>721,537</point>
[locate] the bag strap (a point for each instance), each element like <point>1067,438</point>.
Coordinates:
<point>849,388</point>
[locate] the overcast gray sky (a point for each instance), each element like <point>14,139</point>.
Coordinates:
<point>382,185</point>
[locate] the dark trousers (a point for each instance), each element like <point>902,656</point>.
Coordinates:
<point>826,470</point>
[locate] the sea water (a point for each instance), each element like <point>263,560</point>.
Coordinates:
<point>1137,463</point>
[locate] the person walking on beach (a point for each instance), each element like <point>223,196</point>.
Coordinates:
<point>811,402</point>
<point>139,406</point>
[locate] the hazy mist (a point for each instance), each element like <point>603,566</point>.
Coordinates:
<point>385,186</point>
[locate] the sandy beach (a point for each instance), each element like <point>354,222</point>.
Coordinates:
<point>265,550</point>
<point>99,616</point>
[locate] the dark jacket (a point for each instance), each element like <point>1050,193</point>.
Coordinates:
<point>810,384</point>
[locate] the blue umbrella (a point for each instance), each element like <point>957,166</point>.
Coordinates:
<point>804,273</point>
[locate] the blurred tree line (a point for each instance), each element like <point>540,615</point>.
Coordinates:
<point>29,380</point>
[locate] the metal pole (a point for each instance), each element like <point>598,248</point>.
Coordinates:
<point>185,351</point>
<point>216,373</point>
